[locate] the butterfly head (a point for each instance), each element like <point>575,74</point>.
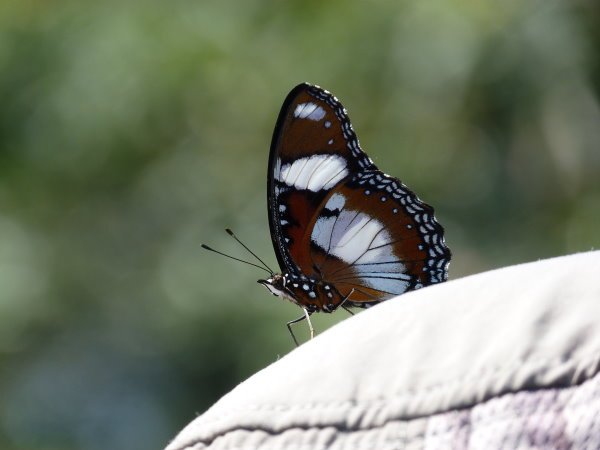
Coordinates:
<point>276,285</point>
<point>312,295</point>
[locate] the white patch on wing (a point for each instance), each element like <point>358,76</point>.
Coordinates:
<point>377,254</point>
<point>393,286</point>
<point>388,277</point>
<point>337,201</point>
<point>277,169</point>
<point>309,111</point>
<point>382,268</point>
<point>353,237</point>
<point>380,239</point>
<point>344,221</point>
<point>321,232</point>
<point>313,172</point>
<point>363,243</point>
<point>362,229</point>
<point>289,173</point>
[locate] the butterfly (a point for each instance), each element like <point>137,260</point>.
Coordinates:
<point>345,234</point>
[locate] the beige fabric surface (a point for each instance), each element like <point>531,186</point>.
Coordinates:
<point>502,359</point>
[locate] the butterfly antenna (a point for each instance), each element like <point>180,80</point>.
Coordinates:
<point>230,233</point>
<point>206,247</point>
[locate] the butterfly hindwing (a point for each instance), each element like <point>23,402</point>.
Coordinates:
<point>375,236</point>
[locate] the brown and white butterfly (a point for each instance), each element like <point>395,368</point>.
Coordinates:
<point>344,232</point>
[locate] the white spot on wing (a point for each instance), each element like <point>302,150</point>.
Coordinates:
<point>309,111</point>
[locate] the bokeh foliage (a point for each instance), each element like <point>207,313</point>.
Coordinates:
<point>131,132</point>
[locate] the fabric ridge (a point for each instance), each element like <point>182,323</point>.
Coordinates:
<point>503,359</point>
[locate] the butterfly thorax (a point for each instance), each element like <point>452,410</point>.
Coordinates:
<point>307,292</point>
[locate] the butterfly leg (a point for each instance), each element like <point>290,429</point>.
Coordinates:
<point>348,310</point>
<point>305,316</point>
<point>344,301</point>
<point>348,296</point>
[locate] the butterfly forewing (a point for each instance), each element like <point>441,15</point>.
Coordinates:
<point>313,149</point>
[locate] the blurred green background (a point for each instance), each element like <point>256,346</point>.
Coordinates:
<point>131,132</point>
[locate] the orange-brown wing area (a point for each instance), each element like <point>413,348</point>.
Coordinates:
<point>374,239</point>
<point>313,149</point>
<point>310,126</point>
<point>300,215</point>
<point>347,281</point>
